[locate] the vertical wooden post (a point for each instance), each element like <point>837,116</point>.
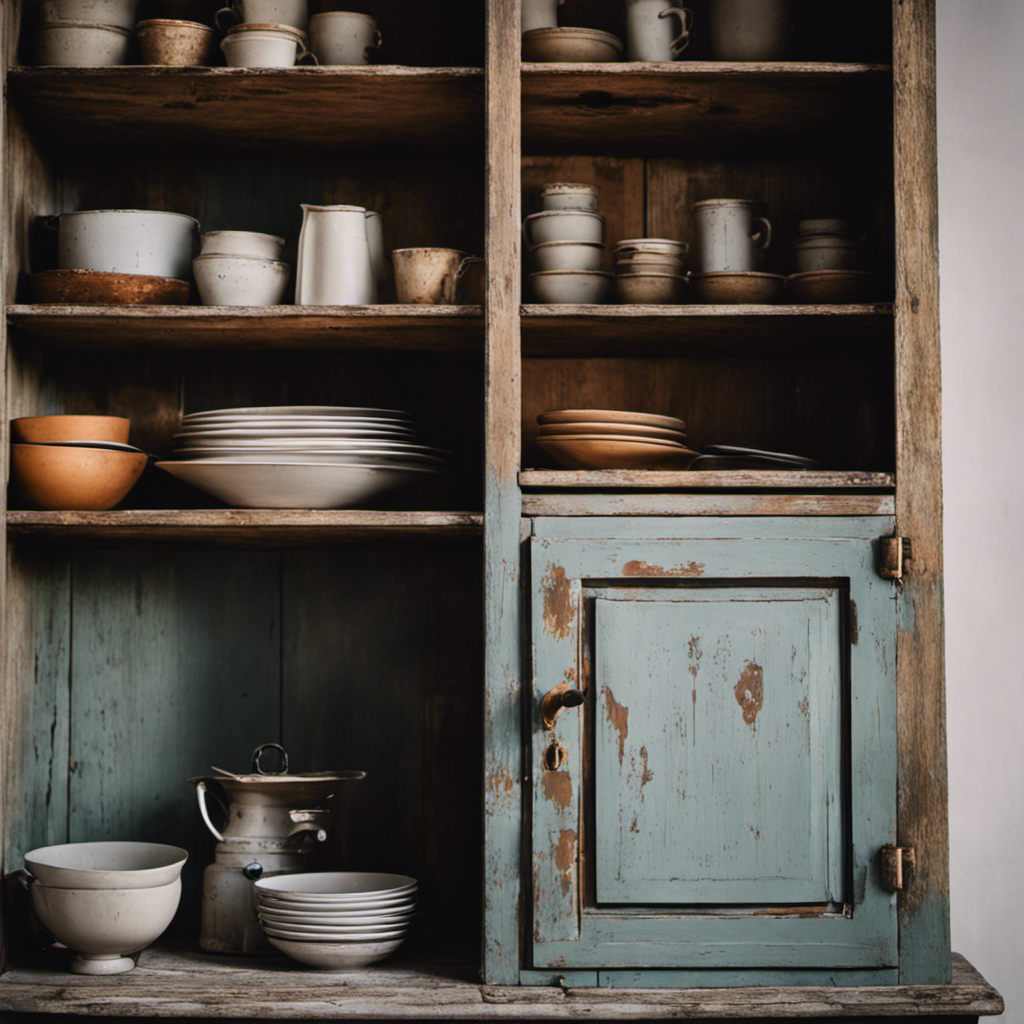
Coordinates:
<point>922,817</point>
<point>502,502</point>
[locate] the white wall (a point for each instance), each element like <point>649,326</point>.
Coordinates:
<point>981,232</point>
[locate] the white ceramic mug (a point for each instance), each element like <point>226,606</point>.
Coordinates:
<point>651,30</point>
<point>750,29</point>
<point>334,267</point>
<point>730,235</point>
<point>562,226</point>
<point>429,275</point>
<point>569,196</point>
<point>258,46</point>
<point>539,14</point>
<point>343,37</point>
<point>264,12</point>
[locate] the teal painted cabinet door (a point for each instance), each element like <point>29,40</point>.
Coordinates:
<point>719,798</point>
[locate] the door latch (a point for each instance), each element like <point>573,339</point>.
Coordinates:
<point>894,555</point>
<point>896,863</point>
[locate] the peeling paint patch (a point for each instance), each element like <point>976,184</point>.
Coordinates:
<point>854,628</point>
<point>618,716</point>
<point>805,707</point>
<point>558,788</point>
<point>647,774</point>
<point>749,692</point>
<point>565,857</point>
<point>503,782</point>
<point>634,827</point>
<point>559,607</point>
<point>638,568</point>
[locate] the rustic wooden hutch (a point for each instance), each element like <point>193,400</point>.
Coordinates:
<point>417,641</point>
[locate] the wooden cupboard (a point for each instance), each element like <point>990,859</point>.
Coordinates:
<point>142,645</point>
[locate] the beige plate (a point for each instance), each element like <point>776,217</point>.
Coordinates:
<point>626,429</point>
<point>738,287</point>
<point>95,287</point>
<point>571,45</point>
<point>827,286</point>
<point>616,453</point>
<point>645,419</point>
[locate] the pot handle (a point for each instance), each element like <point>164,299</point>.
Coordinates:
<point>462,267</point>
<point>52,222</point>
<point>378,41</point>
<point>201,790</point>
<point>303,54</point>
<point>685,16</point>
<point>763,233</point>
<point>527,238</point>
<point>222,22</point>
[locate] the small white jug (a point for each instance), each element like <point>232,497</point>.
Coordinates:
<point>343,37</point>
<point>650,33</point>
<point>334,267</point>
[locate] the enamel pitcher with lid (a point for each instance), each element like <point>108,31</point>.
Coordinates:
<point>271,821</point>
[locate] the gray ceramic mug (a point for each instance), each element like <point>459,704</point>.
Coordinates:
<point>731,235</point>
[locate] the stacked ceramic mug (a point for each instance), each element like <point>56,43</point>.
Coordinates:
<point>649,271</point>
<point>264,33</point>
<point>84,33</point>
<point>565,243</point>
<point>241,268</point>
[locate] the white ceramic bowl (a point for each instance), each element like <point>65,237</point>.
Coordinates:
<point>241,243</point>
<point>568,256</point>
<point>114,865</point>
<point>240,280</point>
<point>82,44</point>
<point>318,886</point>
<point>254,45</point>
<point>661,246</point>
<point>344,932</point>
<point>96,12</point>
<point>372,906</point>
<point>343,919</point>
<point>650,262</point>
<point>563,226</point>
<point>338,956</point>
<point>569,196</point>
<point>576,287</point>
<point>103,926</point>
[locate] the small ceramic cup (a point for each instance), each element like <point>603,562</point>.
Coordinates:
<point>428,275</point>
<point>343,37</point>
<point>563,226</point>
<point>266,12</point>
<point>539,14</point>
<point>569,196</point>
<point>651,30</point>
<point>255,45</point>
<point>730,235</point>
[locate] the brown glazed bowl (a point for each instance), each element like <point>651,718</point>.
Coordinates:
<point>44,429</point>
<point>172,43</point>
<point>736,287</point>
<point>68,478</point>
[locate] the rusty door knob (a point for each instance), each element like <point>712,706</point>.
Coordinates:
<point>556,699</point>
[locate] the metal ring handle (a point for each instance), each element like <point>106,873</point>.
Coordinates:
<point>258,753</point>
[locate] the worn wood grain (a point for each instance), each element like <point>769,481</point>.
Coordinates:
<point>171,328</point>
<point>633,503</point>
<point>328,108</point>
<point>923,788</point>
<point>753,479</point>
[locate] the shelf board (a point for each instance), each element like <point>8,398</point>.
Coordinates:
<point>555,330</point>
<point>422,328</point>
<point>694,106</point>
<point>719,479</point>
<point>323,108</point>
<point>706,503</point>
<point>188,984</point>
<point>241,527</point>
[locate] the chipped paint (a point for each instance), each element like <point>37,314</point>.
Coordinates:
<point>559,606</point>
<point>639,568</point>
<point>557,788</point>
<point>647,774</point>
<point>805,707</point>
<point>618,716</point>
<point>565,858</point>
<point>854,629</point>
<point>749,692</point>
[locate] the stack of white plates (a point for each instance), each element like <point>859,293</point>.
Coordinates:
<point>336,919</point>
<point>300,456</point>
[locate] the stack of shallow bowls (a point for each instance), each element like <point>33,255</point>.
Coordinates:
<point>614,439</point>
<point>84,33</point>
<point>305,456</point>
<point>649,271</point>
<point>83,463</point>
<point>241,268</point>
<point>105,900</point>
<point>339,919</point>
<point>828,258</point>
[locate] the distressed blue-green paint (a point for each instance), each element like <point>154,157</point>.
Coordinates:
<point>710,527</point>
<point>746,979</point>
<point>727,782</point>
<point>556,979</point>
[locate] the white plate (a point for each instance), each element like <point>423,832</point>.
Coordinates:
<point>414,459</point>
<point>334,935</point>
<point>318,885</point>
<point>344,905</point>
<point>296,410</point>
<point>337,955</point>
<point>321,919</point>
<point>267,433</point>
<point>300,485</point>
<point>351,932</point>
<point>285,427</point>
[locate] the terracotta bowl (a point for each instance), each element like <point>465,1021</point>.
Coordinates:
<point>97,287</point>
<point>608,451</point>
<point>651,289</point>
<point>44,429</point>
<point>571,46</point>
<point>734,287</point>
<point>833,286</point>
<point>83,479</point>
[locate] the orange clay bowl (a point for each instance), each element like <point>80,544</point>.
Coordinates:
<point>43,429</point>
<point>610,452</point>
<point>80,479</point>
<point>738,287</point>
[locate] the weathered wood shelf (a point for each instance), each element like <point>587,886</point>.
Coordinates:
<point>422,328</point>
<point>674,330</point>
<point>691,106</point>
<point>173,983</point>
<point>267,528</point>
<point>668,480</point>
<point>322,108</point>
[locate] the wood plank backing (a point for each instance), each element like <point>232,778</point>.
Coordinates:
<point>754,479</point>
<point>923,788</point>
<point>328,108</point>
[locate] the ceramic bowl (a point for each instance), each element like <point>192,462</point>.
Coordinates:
<point>833,286</point>
<point>41,429</point>
<point>321,886</point>
<point>294,13</point>
<point>240,280</point>
<point>574,287</point>
<point>661,246</point>
<point>82,44</point>
<point>571,46</point>
<point>608,451</point>
<point>103,926</point>
<point>342,932</point>
<point>67,478</point>
<point>370,906</point>
<point>649,419</point>
<point>826,252</point>
<point>111,865</point>
<point>738,287</point>
<point>569,196</point>
<point>170,43</point>
<point>94,287</point>
<point>567,256</point>
<point>241,243</point>
<point>258,45</point>
<point>329,919</point>
<point>649,263</point>
<point>95,12</point>
<point>338,956</point>
<point>596,427</point>
<point>563,226</point>
<point>650,289</point>
<point>827,226</point>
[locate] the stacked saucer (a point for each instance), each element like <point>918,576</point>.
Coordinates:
<point>725,456</point>
<point>300,456</point>
<point>338,919</point>
<point>614,439</point>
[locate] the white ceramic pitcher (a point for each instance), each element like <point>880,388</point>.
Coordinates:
<point>334,266</point>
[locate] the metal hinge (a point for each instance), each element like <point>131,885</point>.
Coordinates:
<point>896,863</point>
<point>894,554</point>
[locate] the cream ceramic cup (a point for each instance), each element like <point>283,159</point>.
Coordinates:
<point>569,196</point>
<point>428,275</point>
<point>731,236</point>
<point>743,30</point>
<point>539,14</point>
<point>563,226</point>
<point>255,45</point>
<point>343,37</point>
<point>656,30</point>
<point>265,12</point>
